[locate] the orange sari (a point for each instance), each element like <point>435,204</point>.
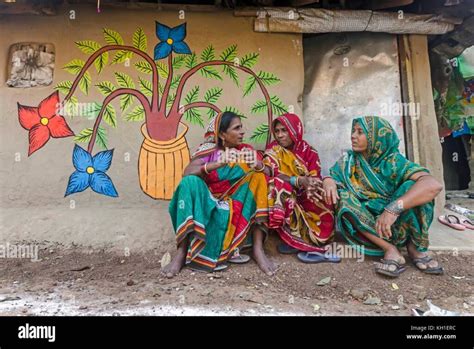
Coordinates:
<point>300,222</point>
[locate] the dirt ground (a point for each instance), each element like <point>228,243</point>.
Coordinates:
<point>73,281</point>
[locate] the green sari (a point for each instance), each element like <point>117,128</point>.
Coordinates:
<point>366,186</point>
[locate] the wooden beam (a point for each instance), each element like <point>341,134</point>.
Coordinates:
<point>421,119</point>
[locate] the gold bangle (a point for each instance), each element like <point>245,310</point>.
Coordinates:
<point>297,181</point>
<point>205,168</point>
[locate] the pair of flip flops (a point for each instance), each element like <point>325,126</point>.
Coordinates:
<point>456,223</point>
<point>392,268</point>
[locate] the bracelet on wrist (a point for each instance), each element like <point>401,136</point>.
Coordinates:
<point>293,180</point>
<point>261,169</point>
<point>205,169</point>
<point>394,207</point>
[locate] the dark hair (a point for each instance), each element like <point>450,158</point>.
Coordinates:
<point>226,119</point>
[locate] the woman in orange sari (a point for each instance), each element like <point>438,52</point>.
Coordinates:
<point>303,221</point>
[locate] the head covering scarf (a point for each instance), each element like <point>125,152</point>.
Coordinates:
<point>211,137</point>
<point>384,169</point>
<point>302,150</point>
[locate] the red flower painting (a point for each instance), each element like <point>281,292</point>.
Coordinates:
<point>43,122</point>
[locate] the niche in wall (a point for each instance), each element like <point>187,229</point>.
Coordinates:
<point>31,64</point>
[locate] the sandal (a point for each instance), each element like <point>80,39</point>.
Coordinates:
<point>219,267</point>
<point>428,270</point>
<point>389,267</point>
<point>240,259</point>
<point>451,221</point>
<point>468,224</point>
<point>316,257</point>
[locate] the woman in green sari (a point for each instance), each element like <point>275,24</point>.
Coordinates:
<point>384,201</point>
<point>220,205</point>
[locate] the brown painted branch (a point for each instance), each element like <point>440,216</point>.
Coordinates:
<point>166,90</point>
<point>96,54</point>
<point>121,91</point>
<point>194,70</point>
<point>199,105</point>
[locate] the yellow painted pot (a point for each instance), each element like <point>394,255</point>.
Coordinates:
<point>161,164</point>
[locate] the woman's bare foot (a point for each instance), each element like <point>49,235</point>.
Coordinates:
<point>266,265</point>
<point>392,253</point>
<point>415,254</point>
<point>175,266</point>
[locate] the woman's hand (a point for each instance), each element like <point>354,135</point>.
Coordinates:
<point>257,165</point>
<point>311,186</point>
<point>315,189</point>
<point>384,223</point>
<point>303,182</point>
<point>330,191</point>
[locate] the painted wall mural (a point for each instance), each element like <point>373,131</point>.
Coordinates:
<point>162,105</point>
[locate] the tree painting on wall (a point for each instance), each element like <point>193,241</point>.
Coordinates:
<point>157,99</point>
